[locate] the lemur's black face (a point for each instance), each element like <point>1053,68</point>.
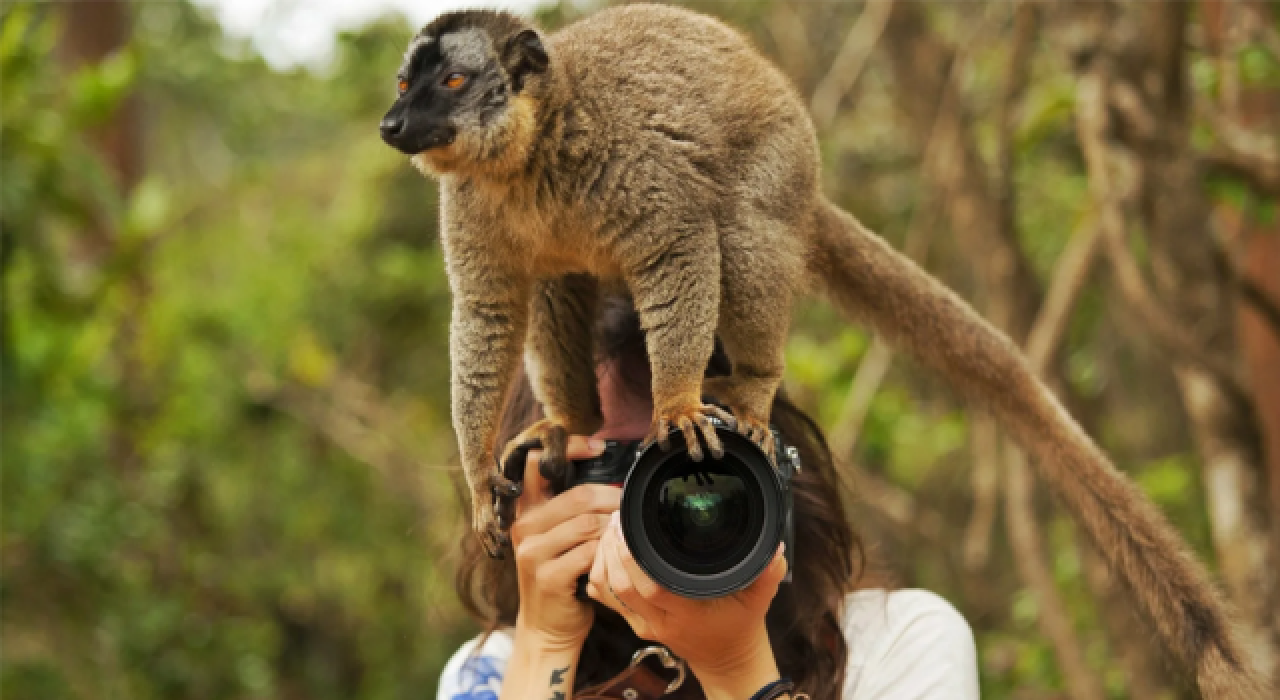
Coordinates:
<point>449,85</point>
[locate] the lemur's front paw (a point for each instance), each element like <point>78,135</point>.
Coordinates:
<point>692,421</point>
<point>553,439</point>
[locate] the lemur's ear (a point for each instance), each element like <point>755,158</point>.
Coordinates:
<point>523,56</point>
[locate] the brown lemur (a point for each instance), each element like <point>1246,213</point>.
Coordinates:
<point>652,149</point>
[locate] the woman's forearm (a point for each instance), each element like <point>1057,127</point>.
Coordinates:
<point>540,668</point>
<point>739,674</point>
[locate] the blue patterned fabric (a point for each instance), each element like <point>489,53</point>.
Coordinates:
<point>480,678</point>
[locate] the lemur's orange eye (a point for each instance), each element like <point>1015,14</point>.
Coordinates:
<point>402,86</point>
<point>453,81</point>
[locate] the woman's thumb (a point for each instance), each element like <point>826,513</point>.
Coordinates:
<point>767,583</point>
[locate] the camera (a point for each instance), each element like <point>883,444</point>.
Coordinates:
<point>700,529</point>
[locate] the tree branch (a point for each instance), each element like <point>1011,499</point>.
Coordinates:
<point>1068,281</point>
<point>1248,289</point>
<point>984,481</point>
<point>849,62</point>
<point>984,439</point>
<point>1159,322</point>
<point>1260,171</point>
<point>866,382</point>
<point>1239,151</point>
<point>1092,129</point>
<point>1025,21</point>
<point>1045,338</point>
<point>898,507</point>
<point>924,67</point>
<point>1261,302</point>
<point>1024,537</point>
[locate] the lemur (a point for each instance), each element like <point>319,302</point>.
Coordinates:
<point>652,149</point>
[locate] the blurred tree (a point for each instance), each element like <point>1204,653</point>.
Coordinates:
<point>242,546</point>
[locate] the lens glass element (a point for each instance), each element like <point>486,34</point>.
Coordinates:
<point>703,517</point>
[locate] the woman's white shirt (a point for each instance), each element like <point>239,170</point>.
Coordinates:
<point>907,645</point>
<point>903,645</point>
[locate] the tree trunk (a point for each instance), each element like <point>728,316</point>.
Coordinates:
<point>92,31</point>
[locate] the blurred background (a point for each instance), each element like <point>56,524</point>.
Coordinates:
<point>228,467</point>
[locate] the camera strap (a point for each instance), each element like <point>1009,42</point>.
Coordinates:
<point>639,681</point>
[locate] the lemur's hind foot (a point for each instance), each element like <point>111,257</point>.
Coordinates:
<point>692,420</point>
<point>485,519</point>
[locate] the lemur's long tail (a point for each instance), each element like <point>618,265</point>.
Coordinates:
<point>873,283</point>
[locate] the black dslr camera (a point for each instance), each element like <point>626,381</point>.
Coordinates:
<point>701,529</point>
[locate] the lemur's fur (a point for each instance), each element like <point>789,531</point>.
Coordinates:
<point>653,148</point>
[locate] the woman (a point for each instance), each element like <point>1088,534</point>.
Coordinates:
<point>833,641</point>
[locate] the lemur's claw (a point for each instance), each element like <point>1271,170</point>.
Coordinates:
<point>489,528</point>
<point>505,492</point>
<point>724,416</point>
<point>503,487</point>
<point>692,422</point>
<point>513,458</point>
<point>495,544</point>
<point>759,433</point>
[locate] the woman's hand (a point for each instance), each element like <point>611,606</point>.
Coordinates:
<point>723,640</point>
<point>555,540</point>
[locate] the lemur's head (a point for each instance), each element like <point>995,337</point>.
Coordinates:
<point>464,101</point>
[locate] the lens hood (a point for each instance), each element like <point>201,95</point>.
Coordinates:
<point>704,529</point>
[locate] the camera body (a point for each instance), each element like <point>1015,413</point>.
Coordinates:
<point>700,529</point>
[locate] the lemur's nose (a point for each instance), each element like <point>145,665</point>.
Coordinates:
<point>391,127</point>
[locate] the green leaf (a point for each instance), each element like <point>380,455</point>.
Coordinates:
<point>148,208</point>
<point>1258,67</point>
<point>97,90</point>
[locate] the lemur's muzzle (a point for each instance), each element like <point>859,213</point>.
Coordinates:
<point>412,138</point>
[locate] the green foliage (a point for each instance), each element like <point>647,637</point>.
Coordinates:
<point>171,528</point>
<point>1172,482</point>
<point>1260,208</point>
<point>1258,68</point>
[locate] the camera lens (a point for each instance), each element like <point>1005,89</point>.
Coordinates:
<point>703,517</point>
<point>704,529</point>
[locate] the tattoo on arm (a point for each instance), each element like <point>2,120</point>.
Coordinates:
<point>557,677</point>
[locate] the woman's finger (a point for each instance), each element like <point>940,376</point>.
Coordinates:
<point>638,624</point>
<point>584,498</point>
<point>536,488</point>
<point>561,538</point>
<point>596,575</point>
<point>619,583</point>
<point>598,578</point>
<point>582,447</point>
<point>766,585</point>
<point>562,572</point>
<point>644,586</point>
<point>601,590</point>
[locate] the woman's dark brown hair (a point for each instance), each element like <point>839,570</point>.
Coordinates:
<point>804,619</point>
